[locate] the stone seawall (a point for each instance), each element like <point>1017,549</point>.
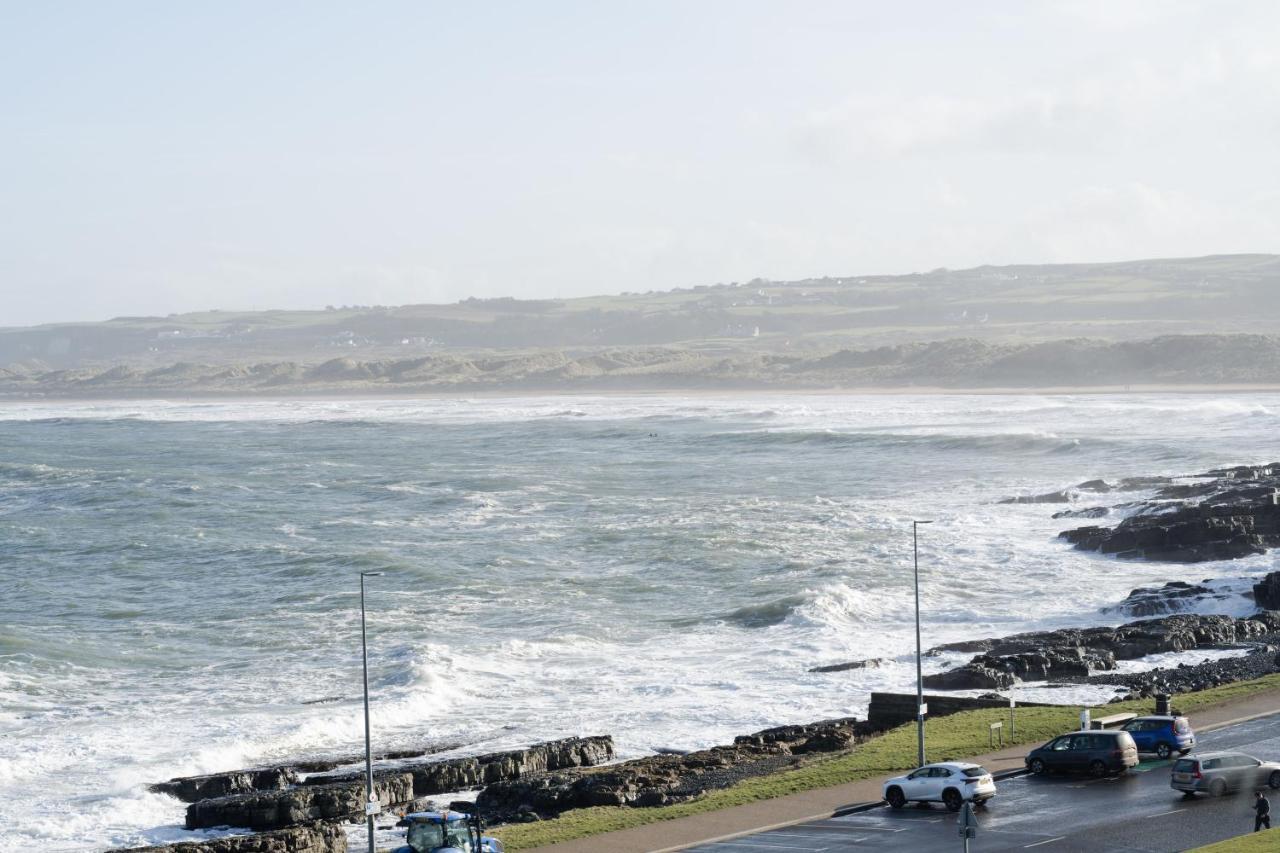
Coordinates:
<point>889,710</point>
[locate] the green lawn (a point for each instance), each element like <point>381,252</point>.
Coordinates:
<point>952,737</point>
<point>1254,842</point>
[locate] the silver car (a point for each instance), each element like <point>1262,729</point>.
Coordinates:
<point>1217,773</point>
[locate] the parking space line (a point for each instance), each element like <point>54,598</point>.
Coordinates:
<point>1162,814</point>
<point>1046,841</point>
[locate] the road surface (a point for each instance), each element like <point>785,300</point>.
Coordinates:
<point>1134,813</point>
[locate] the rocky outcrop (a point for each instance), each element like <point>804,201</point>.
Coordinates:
<point>268,810</point>
<point>190,789</point>
<point>461,774</point>
<point>1224,514</point>
<point>1173,597</point>
<point>312,838</point>
<point>1068,652</point>
<point>281,797</point>
<point>1097,487</point>
<point>663,779</point>
<point>1266,593</point>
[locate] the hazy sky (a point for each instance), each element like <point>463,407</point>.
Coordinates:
<point>170,156</point>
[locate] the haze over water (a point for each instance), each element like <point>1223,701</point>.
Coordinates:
<point>180,579</point>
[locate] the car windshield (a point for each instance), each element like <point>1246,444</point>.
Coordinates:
<point>975,772</point>
<point>1184,765</point>
<point>425,837</point>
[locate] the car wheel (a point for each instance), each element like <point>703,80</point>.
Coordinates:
<point>1097,769</point>
<point>952,800</point>
<point>1188,795</point>
<point>895,798</point>
<point>1183,751</point>
<point>1274,779</point>
<point>1218,788</point>
<point>1037,766</point>
<point>1163,751</point>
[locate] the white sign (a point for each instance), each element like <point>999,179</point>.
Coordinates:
<point>1011,703</point>
<point>924,708</point>
<point>372,808</point>
<point>1084,720</point>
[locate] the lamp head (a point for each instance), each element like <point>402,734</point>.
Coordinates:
<point>372,574</point>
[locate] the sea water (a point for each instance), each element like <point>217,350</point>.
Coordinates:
<point>179,588</point>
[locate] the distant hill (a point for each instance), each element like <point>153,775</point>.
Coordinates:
<point>963,363</point>
<point>997,306</point>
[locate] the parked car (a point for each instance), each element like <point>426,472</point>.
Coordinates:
<point>1162,735</point>
<point>950,783</point>
<point>1217,773</point>
<point>1097,753</point>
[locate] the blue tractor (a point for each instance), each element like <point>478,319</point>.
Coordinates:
<point>445,832</point>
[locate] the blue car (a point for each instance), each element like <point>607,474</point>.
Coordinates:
<point>1162,735</point>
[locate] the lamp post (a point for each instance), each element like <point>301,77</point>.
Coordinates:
<point>915,555</point>
<point>368,748</point>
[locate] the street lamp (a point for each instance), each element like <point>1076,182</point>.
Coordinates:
<point>915,554</point>
<point>368,748</point>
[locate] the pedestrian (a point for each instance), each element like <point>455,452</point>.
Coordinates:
<point>1262,812</point>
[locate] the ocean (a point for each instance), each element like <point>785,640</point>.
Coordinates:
<point>179,587</point>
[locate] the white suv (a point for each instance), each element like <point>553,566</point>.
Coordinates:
<point>949,783</point>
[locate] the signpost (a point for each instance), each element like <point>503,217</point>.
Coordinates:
<point>1013,729</point>
<point>968,825</point>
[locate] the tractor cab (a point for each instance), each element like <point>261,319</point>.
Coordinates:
<point>445,832</point>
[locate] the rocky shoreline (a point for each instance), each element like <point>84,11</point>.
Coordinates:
<point>1221,514</point>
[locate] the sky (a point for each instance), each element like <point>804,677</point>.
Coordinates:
<point>161,157</point>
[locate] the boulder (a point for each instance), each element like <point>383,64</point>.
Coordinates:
<point>1170,598</point>
<point>1266,592</point>
<point>974,675</point>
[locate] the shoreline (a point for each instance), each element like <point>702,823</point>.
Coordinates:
<point>376,394</point>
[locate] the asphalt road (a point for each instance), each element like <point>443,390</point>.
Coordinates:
<point>1137,812</point>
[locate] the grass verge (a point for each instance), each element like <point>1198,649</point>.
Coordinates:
<point>1267,841</point>
<point>951,737</point>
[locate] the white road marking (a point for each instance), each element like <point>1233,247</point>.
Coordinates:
<point>765,846</point>
<point>1046,841</point>
<point>1162,814</point>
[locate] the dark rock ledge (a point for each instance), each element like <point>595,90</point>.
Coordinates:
<point>664,779</point>
<point>281,797</point>
<point>1223,514</point>
<point>1044,655</point>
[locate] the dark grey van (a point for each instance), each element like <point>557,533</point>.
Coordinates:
<point>1097,753</point>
